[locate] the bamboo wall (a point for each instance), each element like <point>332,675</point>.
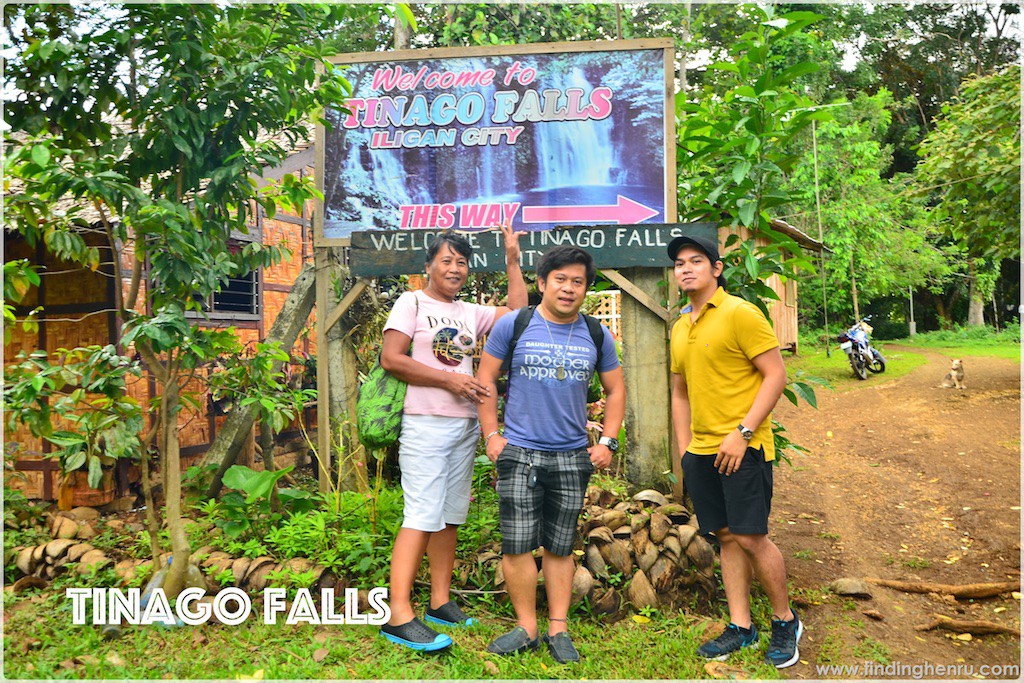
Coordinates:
<point>76,312</point>
<point>79,309</point>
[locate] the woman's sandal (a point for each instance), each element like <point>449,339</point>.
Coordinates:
<point>449,614</point>
<point>416,635</point>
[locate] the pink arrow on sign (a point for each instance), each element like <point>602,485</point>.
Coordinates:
<point>625,212</point>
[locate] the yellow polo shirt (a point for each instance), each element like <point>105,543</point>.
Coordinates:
<point>713,355</point>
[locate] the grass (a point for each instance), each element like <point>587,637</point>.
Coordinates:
<point>970,341</point>
<point>968,351</point>
<point>835,370</point>
<point>956,343</point>
<point>831,650</point>
<point>41,642</point>
<point>915,563</point>
<point>872,650</point>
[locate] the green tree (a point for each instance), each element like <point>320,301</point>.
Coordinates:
<point>737,143</point>
<point>157,116</point>
<point>922,52</point>
<point>971,169</point>
<point>735,146</point>
<point>877,233</point>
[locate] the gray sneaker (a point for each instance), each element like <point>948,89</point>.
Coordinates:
<point>512,643</point>
<point>561,647</point>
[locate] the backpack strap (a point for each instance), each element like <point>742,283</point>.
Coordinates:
<point>597,335</point>
<point>522,322</point>
<point>523,318</point>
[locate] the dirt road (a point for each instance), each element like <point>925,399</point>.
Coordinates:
<point>915,482</point>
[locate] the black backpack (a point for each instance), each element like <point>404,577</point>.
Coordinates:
<point>523,318</point>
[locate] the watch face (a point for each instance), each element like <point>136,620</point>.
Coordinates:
<point>612,444</point>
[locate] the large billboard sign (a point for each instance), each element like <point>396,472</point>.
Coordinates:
<point>534,135</point>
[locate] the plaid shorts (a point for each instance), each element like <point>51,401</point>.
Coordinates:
<point>540,496</point>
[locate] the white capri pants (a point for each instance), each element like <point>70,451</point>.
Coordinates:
<point>435,454</point>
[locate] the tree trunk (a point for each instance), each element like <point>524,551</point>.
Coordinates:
<point>232,434</point>
<point>853,290</point>
<point>403,34</point>
<point>152,523</point>
<point>266,443</point>
<point>976,306</point>
<point>171,462</point>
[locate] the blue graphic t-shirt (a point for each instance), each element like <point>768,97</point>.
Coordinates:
<point>551,369</point>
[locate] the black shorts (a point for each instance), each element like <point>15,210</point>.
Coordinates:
<point>740,501</point>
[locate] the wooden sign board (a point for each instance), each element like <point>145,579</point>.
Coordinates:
<point>396,252</point>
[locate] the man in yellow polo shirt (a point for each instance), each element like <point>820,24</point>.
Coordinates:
<point>727,375</point>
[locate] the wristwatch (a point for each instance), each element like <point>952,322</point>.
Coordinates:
<point>610,443</point>
<point>747,434</point>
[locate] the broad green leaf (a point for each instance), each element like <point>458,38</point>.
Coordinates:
<point>747,211</point>
<point>806,392</point>
<point>66,439</point>
<point>238,476</point>
<point>40,155</point>
<point>74,461</point>
<point>95,472</point>
<point>740,171</point>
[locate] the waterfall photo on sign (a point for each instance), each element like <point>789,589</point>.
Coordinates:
<point>473,140</point>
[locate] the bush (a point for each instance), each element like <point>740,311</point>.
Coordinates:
<point>983,336</point>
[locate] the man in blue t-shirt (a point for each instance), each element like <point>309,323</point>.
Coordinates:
<point>542,458</point>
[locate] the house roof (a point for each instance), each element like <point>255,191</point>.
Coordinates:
<point>800,237</point>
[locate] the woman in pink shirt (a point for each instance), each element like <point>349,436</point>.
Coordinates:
<point>439,427</point>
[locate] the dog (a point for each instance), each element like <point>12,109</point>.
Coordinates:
<point>955,376</point>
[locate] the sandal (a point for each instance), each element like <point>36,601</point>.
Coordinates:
<point>515,641</point>
<point>416,635</point>
<point>449,614</point>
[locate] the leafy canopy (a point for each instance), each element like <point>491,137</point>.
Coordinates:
<point>971,166</point>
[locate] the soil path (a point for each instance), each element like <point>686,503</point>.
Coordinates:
<point>915,482</point>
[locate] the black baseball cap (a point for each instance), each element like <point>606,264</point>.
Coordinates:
<point>709,248</point>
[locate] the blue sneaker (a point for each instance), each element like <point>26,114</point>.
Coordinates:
<point>416,635</point>
<point>734,638</point>
<point>782,650</point>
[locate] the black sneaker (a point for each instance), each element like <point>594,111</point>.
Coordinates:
<point>449,614</point>
<point>734,638</point>
<point>782,650</point>
<point>416,635</point>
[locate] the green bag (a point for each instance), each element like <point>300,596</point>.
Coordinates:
<point>380,403</point>
<point>379,408</point>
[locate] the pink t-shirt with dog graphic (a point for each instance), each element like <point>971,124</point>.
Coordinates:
<point>444,337</point>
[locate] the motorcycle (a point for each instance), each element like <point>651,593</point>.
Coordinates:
<point>856,342</point>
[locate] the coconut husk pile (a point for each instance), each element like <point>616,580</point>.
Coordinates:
<point>640,551</point>
<point>71,531</point>
<point>49,559</point>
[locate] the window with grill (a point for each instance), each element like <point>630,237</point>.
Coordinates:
<point>238,298</point>
<point>239,295</point>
